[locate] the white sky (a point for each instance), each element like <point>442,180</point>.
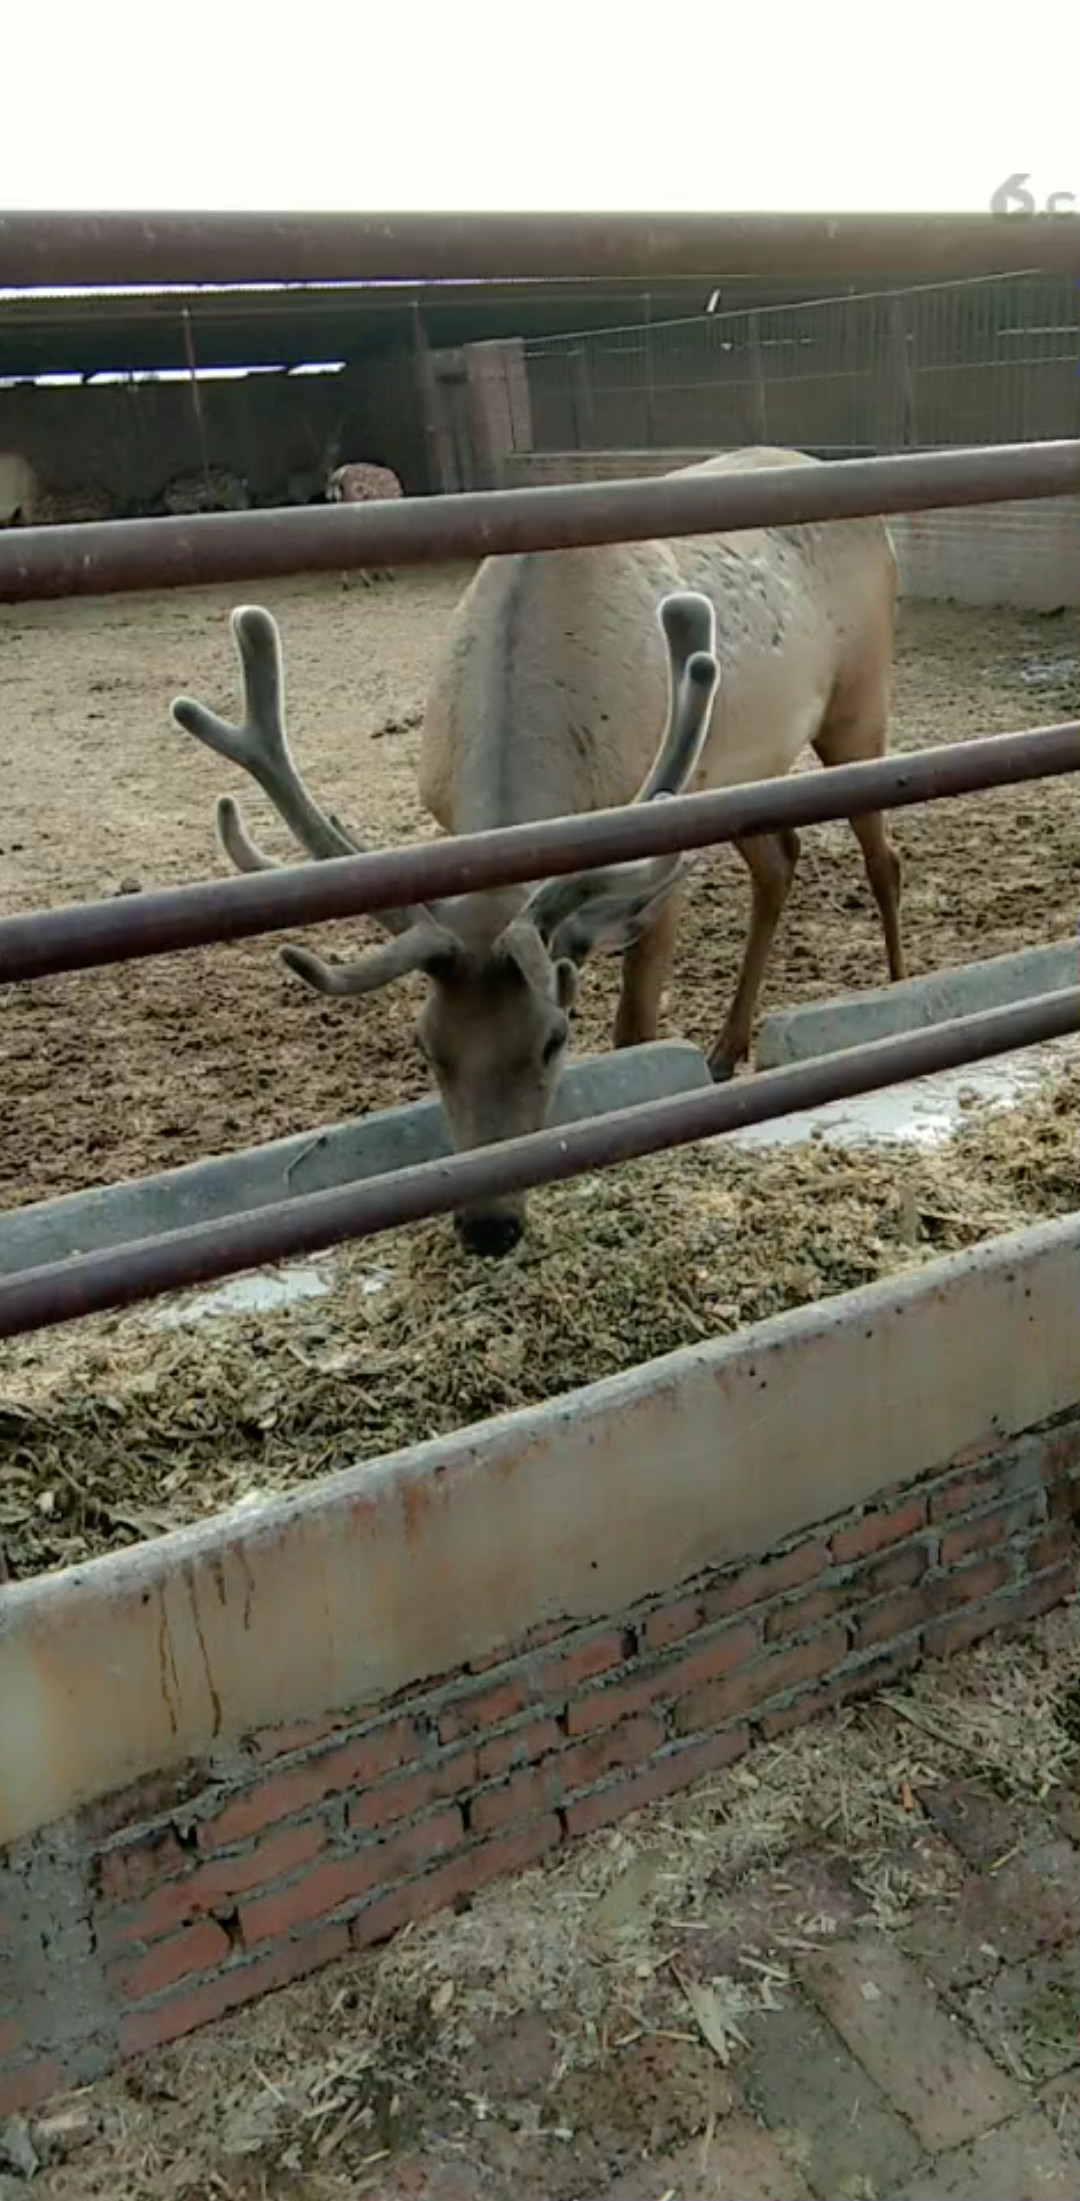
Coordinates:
<point>563,104</point>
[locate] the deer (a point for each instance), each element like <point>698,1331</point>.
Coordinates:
<point>555,673</point>
<point>363,484</point>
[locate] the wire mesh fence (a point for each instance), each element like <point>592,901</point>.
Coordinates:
<point>982,361</point>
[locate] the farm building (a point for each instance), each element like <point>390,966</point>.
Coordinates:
<point>600,1724</point>
<point>464,385</point>
<point>140,401</point>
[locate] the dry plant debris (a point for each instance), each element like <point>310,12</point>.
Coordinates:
<point>113,1432</point>
<point>517,2023</point>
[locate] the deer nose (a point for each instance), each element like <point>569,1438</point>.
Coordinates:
<point>491,1236</point>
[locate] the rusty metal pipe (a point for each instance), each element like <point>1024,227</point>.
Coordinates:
<point>91,558</point>
<point>68,1290</point>
<point>164,248</point>
<point>86,934</point>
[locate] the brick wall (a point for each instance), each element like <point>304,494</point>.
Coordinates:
<point>1025,555</point>
<point>156,1910</point>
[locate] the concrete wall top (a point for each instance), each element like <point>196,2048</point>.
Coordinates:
<point>401,1569</point>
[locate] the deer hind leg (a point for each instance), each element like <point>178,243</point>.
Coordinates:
<point>850,738</point>
<point>771,859</point>
<point>883,872</point>
<point>645,970</point>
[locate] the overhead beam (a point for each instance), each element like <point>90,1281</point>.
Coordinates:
<point>44,248</point>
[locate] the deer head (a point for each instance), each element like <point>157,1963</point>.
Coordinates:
<point>495,1026</point>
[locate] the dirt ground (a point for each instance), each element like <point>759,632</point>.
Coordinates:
<point>639,2020</point>
<point>119,1072</point>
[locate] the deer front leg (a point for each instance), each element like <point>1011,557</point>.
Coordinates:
<point>771,859</point>
<point>646,966</point>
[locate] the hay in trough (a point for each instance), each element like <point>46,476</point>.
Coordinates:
<point>114,1431</point>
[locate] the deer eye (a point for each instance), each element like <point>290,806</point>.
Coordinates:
<point>553,1046</point>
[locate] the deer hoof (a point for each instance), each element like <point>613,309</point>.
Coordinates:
<point>721,1068</point>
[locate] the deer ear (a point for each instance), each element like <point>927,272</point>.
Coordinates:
<point>566,982</point>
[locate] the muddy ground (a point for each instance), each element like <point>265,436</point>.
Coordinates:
<point>115,1073</point>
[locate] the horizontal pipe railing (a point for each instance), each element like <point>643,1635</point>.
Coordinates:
<point>102,557</point>
<point>117,1277</point>
<point>158,247</point>
<point>41,944</point>
<point>156,553</point>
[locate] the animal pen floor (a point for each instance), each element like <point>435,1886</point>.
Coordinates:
<point>119,1072</point>
<point>116,1072</point>
<point>841,1969</point>
<point>689,2006</point>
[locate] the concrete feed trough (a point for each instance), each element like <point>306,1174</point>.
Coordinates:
<point>345,1708</point>
<point>315,1161</point>
<point>881,1012</point>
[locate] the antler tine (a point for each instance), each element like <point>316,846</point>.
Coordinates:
<point>260,747</point>
<point>243,853</point>
<point>422,948</point>
<point>578,913</point>
<point>689,624</point>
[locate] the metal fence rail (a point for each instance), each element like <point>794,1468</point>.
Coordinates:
<point>88,934</point>
<point>93,558</point>
<point>908,368</point>
<point>313,1222</point>
<point>157,247</point>
<point>67,560</point>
